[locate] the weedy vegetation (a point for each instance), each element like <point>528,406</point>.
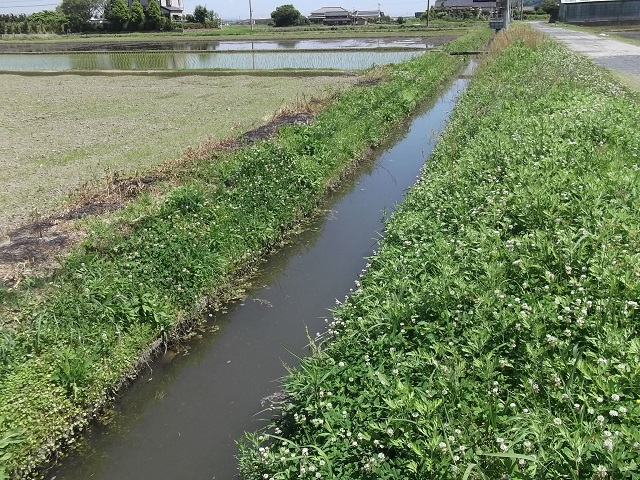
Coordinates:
<point>68,340</point>
<point>496,332</point>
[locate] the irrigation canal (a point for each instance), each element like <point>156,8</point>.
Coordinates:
<point>182,417</point>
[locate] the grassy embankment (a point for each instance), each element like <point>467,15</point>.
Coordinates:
<point>496,332</point>
<point>69,342</point>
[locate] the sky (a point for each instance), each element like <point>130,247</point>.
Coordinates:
<point>239,9</point>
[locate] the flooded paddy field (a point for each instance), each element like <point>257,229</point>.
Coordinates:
<point>299,54</point>
<point>208,45</point>
<point>256,60</point>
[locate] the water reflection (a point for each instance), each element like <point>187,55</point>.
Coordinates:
<point>342,60</point>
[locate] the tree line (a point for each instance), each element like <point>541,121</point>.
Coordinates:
<point>103,15</point>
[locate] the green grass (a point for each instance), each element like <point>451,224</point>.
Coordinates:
<point>68,341</point>
<point>496,332</point>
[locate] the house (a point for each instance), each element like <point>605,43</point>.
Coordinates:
<point>331,16</point>
<point>612,12</point>
<point>362,17</point>
<point>172,9</point>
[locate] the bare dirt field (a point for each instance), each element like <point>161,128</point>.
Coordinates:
<point>62,133</point>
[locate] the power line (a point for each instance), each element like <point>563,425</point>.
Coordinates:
<point>29,6</point>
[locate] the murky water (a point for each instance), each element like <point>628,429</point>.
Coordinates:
<point>226,45</point>
<point>256,60</point>
<point>181,419</point>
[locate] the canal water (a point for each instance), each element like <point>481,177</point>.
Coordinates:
<point>181,419</point>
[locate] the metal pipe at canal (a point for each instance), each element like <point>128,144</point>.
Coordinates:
<point>182,417</point>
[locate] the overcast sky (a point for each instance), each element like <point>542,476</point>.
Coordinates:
<point>235,9</point>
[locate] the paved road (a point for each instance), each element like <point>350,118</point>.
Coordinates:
<point>614,54</point>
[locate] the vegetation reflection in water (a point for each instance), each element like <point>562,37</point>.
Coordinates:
<point>194,61</point>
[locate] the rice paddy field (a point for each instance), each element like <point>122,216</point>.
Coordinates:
<point>496,332</point>
<point>72,131</point>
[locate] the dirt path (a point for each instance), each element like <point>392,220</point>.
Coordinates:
<point>623,58</point>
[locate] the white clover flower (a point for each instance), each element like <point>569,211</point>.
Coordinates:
<point>341,364</point>
<point>557,421</point>
<point>613,413</point>
<point>442,445</point>
<point>390,431</point>
<point>305,451</point>
<point>381,456</point>
<point>600,418</point>
<point>500,440</point>
<point>504,447</point>
<point>615,397</point>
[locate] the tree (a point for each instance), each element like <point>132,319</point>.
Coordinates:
<point>211,15</point>
<point>136,18</point>
<point>285,16</point>
<point>49,21</point>
<point>154,16</point>
<point>200,14</point>
<point>552,8</point>
<point>117,13</point>
<point>78,11</point>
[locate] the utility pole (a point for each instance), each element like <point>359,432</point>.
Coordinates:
<point>250,15</point>
<point>428,13</point>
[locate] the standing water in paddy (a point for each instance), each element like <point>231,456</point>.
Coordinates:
<point>182,418</point>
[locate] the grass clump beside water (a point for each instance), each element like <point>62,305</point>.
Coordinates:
<point>65,343</point>
<point>496,332</point>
